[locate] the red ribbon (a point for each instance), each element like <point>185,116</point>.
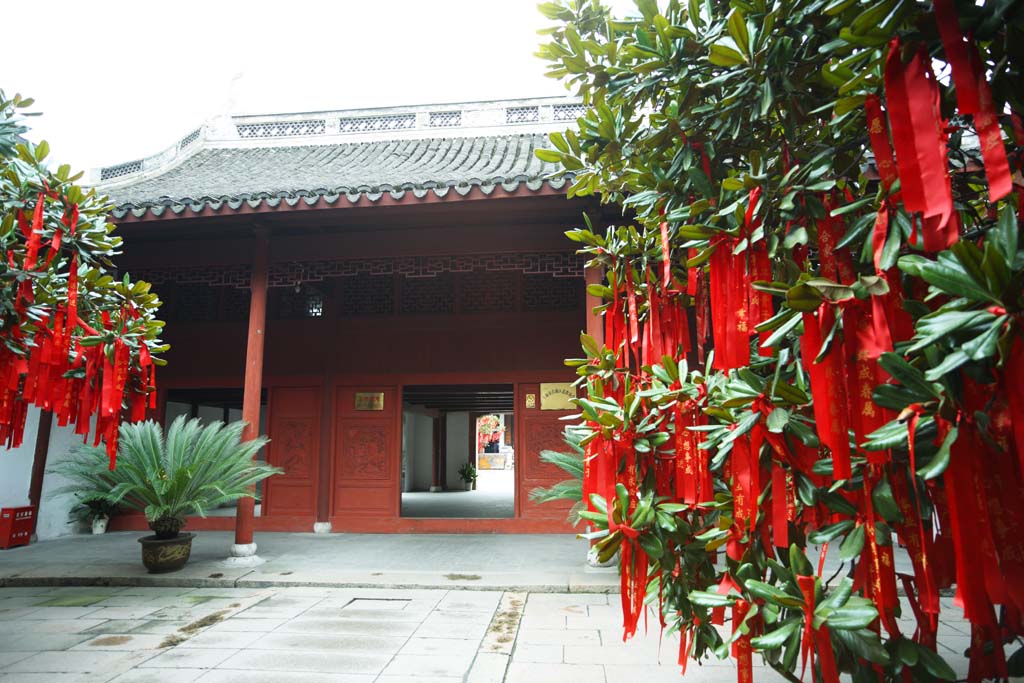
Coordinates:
<point>975,97</point>
<point>827,389</point>
<point>918,136</point>
<point>816,640</point>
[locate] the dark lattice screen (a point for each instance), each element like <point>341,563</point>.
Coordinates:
<point>427,295</point>
<point>367,295</point>
<point>234,304</point>
<point>546,293</point>
<point>285,303</point>
<point>193,302</point>
<point>487,292</point>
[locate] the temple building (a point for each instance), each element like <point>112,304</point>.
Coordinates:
<point>389,293</point>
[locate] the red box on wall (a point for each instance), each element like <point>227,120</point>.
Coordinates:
<point>16,526</point>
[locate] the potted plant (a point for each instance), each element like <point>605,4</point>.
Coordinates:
<point>96,512</point>
<point>467,473</point>
<point>192,470</point>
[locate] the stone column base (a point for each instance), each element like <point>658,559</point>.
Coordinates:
<point>322,528</point>
<point>592,560</point>
<point>243,555</point>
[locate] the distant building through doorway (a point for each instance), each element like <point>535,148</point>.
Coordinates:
<point>446,427</point>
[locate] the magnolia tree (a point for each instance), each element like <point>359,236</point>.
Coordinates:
<point>74,339</point>
<point>813,323</point>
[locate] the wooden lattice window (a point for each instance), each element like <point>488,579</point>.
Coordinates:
<point>487,292</point>
<point>190,302</point>
<point>546,293</point>
<point>428,295</point>
<point>367,295</point>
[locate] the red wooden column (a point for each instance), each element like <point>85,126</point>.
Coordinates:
<point>244,546</point>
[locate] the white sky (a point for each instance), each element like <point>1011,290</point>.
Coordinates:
<point>118,80</point>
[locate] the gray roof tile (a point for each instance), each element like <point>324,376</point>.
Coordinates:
<point>235,176</point>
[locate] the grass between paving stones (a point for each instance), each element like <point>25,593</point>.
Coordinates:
<point>189,630</point>
<point>505,623</point>
<point>110,640</point>
<point>462,577</point>
<point>72,601</point>
<point>200,599</point>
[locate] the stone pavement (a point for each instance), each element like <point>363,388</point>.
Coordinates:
<point>346,635</point>
<point>525,562</point>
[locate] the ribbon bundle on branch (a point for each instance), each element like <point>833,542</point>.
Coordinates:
<point>848,245</point>
<point>74,340</point>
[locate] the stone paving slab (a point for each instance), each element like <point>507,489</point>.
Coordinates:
<point>479,562</point>
<point>374,635</point>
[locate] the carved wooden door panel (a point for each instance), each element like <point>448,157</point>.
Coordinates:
<point>294,431</point>
<point>366,441</point>
<point>538,430</point>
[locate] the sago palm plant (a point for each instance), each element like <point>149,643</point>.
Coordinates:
<point>569,489</point>
<point>191,470</point>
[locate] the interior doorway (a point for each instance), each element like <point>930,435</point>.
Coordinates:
<point>450,432</point>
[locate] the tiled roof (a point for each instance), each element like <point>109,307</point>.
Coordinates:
<point>256,175</point>
<point>276,161</point>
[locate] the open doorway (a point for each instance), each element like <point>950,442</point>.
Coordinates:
<point>447,430</point>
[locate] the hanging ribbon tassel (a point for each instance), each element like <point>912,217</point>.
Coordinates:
<point>827,388</point>
<point>741,649</point>
<point>917,133</point>
<point>816,641</point>
<point>974,96</point>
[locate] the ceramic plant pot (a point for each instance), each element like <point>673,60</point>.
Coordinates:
<point>99,525</point>
<point>162,555</point>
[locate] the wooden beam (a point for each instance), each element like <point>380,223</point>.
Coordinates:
<point>253,370</point>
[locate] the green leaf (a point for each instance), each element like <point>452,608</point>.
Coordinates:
<point>766,591</point>
<point>829,533</point>
<point>935,665</point>
<point>723,55</point>
<point>777,420</point>
<point>853,544</point>
<point>940,461</point>
<point>851,618</point>
<point>803,297</point>
<point>884,502</point>
<point>909,376</point>
<point>738,30</point>
<point>709,599</point>
<point>947,274</point>
<point>777,637</point>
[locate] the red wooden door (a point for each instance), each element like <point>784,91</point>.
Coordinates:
<point>294,431</point>
<point>366,453</point>
<point>538,430</point>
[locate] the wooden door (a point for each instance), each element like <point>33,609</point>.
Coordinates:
<point>367,424</point>
<point>538,430</point>
<point>294,431</point>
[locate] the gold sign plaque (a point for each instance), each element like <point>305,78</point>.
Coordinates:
<point>557,396</point>
<point>531,400</point>
<point>369,400</point>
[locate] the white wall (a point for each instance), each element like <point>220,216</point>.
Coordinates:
<point>408,446</point>
<point>457,451</point>
<point>16,475</point>
<point>55,511</point>
<point>417,448</point>
<point>423,453</point>
<point>16,465</point>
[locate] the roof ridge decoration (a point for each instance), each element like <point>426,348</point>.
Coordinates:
<point>277,162</point>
